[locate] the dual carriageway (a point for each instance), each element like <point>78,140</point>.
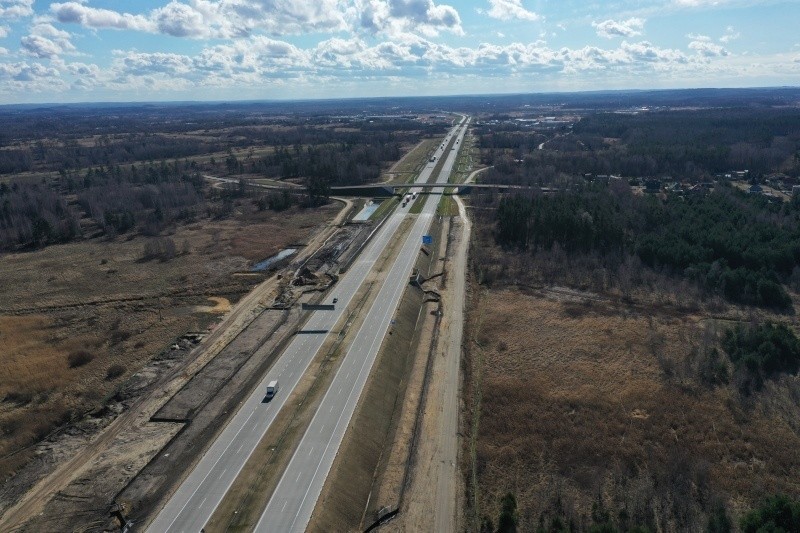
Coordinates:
<point>292,503</point>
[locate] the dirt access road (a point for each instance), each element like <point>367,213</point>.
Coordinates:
<point>242,314</point>
<point>446,456</point>
<point>432,501</point>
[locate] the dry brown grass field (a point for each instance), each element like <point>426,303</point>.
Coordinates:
<point>592,403</point>
<point>78,319</point>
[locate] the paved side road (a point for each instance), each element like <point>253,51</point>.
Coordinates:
<point>196,499</point>
<point>295,497</point>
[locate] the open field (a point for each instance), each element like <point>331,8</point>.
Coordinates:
<point>79,319</point>
<point>580,404</point>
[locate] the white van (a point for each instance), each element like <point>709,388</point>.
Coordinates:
<point>272,389</point>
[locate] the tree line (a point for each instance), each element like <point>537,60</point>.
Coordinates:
<point>117,199</point>
<point>775,514</point>
<point>34,215</point>
<point>680,144</point>
<point>727,242</point>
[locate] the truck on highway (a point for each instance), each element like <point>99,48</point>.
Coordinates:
<point>272,390</point>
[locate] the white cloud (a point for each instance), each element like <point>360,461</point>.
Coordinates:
<point>90,17</point>
<point>281,17</point>
<point>395,17</point>
<point>397,50</point>
<point>338,53</point>
<point>619,28</point>
<point>214,19</point>
<point>143,64</point>
<point>14,9</point>
<point>82,69</point>
<point>730,35</point>
<point>509,10</point>
<point>3,32</point>
<point>27,78</point>
<point>46,41</point>
<point>706,48</point>
<point>179,20</point>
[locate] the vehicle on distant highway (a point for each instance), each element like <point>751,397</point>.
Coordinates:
<point>433,159</point>
<point>272,390</point>
<point>335,300</point>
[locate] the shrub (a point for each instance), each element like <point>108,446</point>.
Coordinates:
<point>718,521</point>
<point>118,336</point>
<point>19,398</point>
<point>713,370</point>
<point>763,350</point>
<point>114,371</point>
<point>162,248</point>
<point>776,514</point>
<point>79,358</point>
<point>507,521</point>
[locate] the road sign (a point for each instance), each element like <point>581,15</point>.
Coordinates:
<point>427,239</point>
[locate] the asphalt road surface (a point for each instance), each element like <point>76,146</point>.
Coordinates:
<point>198,496</point>
<point>293,501</point>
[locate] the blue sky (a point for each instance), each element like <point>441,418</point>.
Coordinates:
<point>145,50</point>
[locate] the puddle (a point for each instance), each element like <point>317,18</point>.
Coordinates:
<point>266,263</point>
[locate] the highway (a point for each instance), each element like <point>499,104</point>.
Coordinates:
<point>197,497</point>
<point>295,497</point>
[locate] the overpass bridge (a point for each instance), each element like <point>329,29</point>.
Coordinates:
<point>392,189</point>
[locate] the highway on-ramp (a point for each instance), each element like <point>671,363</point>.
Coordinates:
<point>295,497</point>
<point>197,497</point>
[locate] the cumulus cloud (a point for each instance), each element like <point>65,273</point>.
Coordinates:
<point>30,78</point>
<point>619,28</point>
<point>395,17</point>
<point>706,48</point>
<point>338,53</point>
<point>90,17</point>
<point>281,16</point>
<point>509,10</point>
<point>14,9</point>
<point>213,19</point>
<point>46,41</point>
<point>259,59</point>
<point>84,70</point>
<point>179,20</point>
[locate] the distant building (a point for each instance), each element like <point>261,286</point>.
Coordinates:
<point>795,190</point>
